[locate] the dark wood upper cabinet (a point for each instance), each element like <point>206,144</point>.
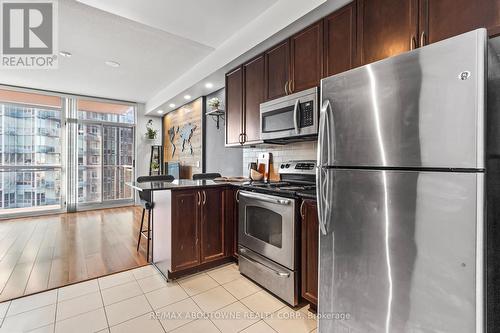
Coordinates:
<point>212,224</point>
<point>277,70</point>
<point>362,32</point>
<point>340,40</point>
<point>234,106</point>
<point>441,19</point>
<point>385,28</point>
<point>306,56</point>
<point>309,251</point>
<point>185,233</point>
<point>254,86</point>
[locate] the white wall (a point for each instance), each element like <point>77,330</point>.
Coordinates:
<point>143,146</point>
<point>218,158</point>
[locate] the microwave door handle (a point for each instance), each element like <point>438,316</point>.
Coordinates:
<point>295,116</point>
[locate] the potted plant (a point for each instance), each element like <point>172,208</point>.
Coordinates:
<point>151,133</point>
<point>214,103</point>
<point>155,166</point>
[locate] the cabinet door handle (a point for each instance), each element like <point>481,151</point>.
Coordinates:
<point>199,197</point>
<point>302,209</point>
<point>237,196</point>
<point>286,86</point>
<point>422,39</point>
<point>413,43</point>
<point>204,197</point>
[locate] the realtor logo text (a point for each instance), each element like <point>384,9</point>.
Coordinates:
<point>29,34</point>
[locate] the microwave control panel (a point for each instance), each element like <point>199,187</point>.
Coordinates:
<point>306,114</point>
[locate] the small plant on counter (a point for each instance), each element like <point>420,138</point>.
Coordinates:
<point>151,133</point>
<point>214,103</point>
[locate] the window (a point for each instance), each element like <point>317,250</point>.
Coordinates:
<point>33,130</point>
<point>106,144</point>
<point>31,158</point>
<point>89,162</point>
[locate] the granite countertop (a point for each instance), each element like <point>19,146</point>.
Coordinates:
<point>179,184</point>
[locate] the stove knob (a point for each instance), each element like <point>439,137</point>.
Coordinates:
<point>282,166</point>
<point>288,165</point>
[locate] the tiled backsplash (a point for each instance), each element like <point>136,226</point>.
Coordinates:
<point>280,153</point>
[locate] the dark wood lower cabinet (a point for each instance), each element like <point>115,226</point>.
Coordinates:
<point>212,224</point>
<point>185,229</point>
<point>203,223</point>
<point>231,209</point>
<point>309,250</point>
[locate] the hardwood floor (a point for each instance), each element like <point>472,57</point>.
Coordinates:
<point>52,251</point>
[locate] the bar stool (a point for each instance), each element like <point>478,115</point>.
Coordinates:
<point>208,176</point>
<point>148,204</point>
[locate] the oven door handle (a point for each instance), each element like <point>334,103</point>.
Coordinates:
<point>265,198</point>
<point>295,116</point>
<point>280,274</point>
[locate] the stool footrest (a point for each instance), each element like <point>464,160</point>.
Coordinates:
<point>144,234</point>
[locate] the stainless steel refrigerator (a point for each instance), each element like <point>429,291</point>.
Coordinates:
<point>402,196</point>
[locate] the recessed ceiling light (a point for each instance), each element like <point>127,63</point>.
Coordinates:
<point>187,96</point>
<point>209,85</point>
<point>160,111</point>
<point>172,105</point>
<point>65,54</point>
<point>112,63</point>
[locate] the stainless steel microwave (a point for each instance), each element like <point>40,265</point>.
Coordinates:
<point>290,117</point>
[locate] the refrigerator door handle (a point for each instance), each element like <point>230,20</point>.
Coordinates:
<point>322,200</point>
<point>322,178</point>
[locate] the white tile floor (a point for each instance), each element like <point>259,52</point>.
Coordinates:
<point>140,300</point>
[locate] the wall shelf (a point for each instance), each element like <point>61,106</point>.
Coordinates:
<point>216,114</point>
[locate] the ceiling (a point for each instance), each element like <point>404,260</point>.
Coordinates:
<point>208,22</point>
<point>279,22</point>
<point>163,47</point>
<point>149,56</point>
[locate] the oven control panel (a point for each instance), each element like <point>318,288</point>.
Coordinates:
<point>298,167</point>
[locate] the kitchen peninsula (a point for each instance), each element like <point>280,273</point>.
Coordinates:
<point>194,224</point>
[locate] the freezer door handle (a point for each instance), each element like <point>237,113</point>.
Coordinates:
<point>326,145</point>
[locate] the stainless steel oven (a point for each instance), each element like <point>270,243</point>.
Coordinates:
<point>290,117</point>
<point>268,236</point>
